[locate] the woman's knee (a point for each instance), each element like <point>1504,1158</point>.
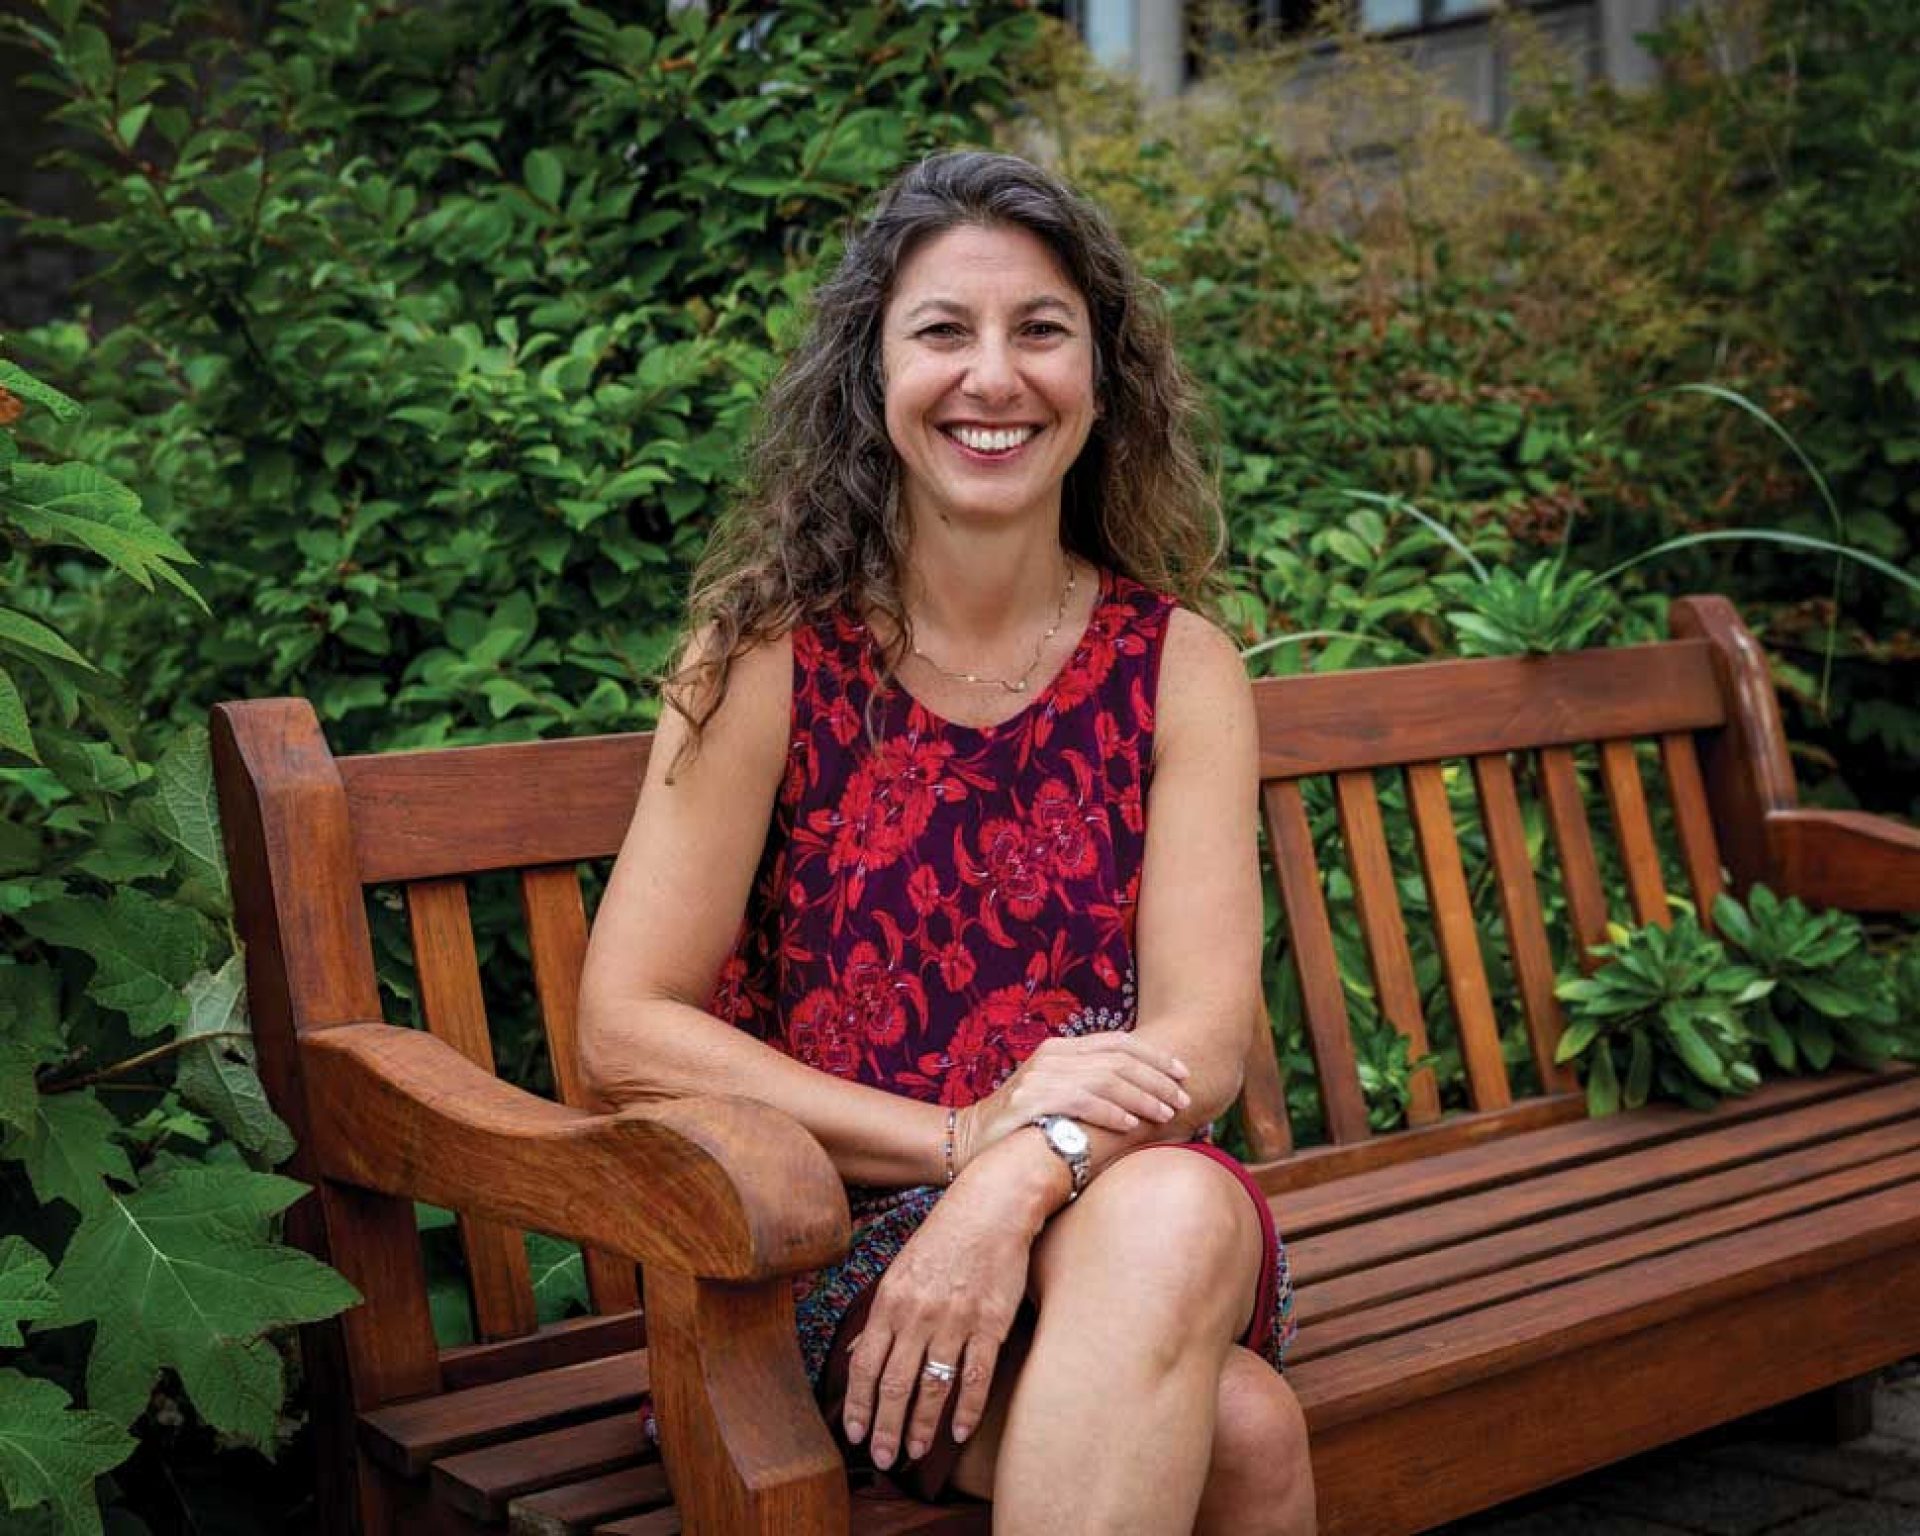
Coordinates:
<point>1169,1226</point>
<point>1260,1478</point>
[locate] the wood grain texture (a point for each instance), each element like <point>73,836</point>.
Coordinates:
<point>1633,826</point>
<point>1376,901</point>
<point>725,1187</point>
<point>1747,769</point>
<point>745,1446</point>
<point>1693,822</point>
<point>447,973</point>
<point>309,960</point>
<point>1844,859</point>
<point>567,1342</point>
<point>466,810</point>
<point>482,1483</point>
<point>410,1437</point>
<point>579,1506</point>
<point>1310,940</point>
<point>1573,846</point>
<point>1419,1287</point>
<point>556,919</point>
<point>1448,1171</point>
<point>1341,722</point>
<point>1447,1454</point>
<point>1520,911</point>
<point>1263,1096</point>
<point>1458,937</point>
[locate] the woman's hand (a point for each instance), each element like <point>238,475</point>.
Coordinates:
<point>950,1297</point>
<point>1113,1080</point>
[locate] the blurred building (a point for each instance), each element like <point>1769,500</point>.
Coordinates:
<point>1160,41</point>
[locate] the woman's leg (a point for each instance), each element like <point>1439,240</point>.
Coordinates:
<point>1142,1286</point>
<point>1259,1482</point>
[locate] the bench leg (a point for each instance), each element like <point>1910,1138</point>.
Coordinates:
<point>746,1451</point>
<point>1836,1414</point>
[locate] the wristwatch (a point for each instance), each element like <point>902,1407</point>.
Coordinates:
<point>1068,1138</point>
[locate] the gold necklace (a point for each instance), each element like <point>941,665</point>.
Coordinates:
<point>1012,684</point>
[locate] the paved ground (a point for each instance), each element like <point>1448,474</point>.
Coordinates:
<point>1743,1481</point>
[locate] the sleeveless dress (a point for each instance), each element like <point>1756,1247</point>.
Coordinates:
<point>935,900</point>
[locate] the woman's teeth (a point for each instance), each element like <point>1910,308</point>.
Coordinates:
<point>992,442</point>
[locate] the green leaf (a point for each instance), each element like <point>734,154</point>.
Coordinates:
<point>1779,1043</point>
<point>1834,1001</point>
<point>185,804</point>
<point>143,950</point>
<point>28,634</point>
<point>180,1273</point>
<point>1639,1070</point>
<point>50,1452</point>
<point>16,380</point>
<point>1580,1034</point>
<point>559,1277</point>
<point>24,1293</point>
<point>70,1150</point>
<point>16,734</point>
<point>1603,1087</point>
<point>546,177</point>
<point>219,1075</point>
<point>1695,1052</point>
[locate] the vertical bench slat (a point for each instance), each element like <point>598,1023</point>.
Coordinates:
<point>448,973</point>
<point>1311,935</point>
<point>1639,852</point>
<point>1520,908</point>
<point>1263,1095</point>
<point>1377,903</point>
<point>1573,843</point>
<point>1699,850</point>
<point>1459,942</point>
<point>556,920</point>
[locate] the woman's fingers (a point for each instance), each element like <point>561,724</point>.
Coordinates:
<point>976,1381</point>
<point>864,1365</point>
<point>939,1377</point>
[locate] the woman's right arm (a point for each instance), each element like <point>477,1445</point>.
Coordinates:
<point>669,920</point>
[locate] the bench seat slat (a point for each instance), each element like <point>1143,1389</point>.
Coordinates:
<point>1409,1186</point>
<point>1613,1254</point>
<point>481,1483</point>
<point>1503,1247</point>
<point>410,1437</point>
<point>870,1517</point>
<point>578,1507</point>
<point>1528,1195</point>
<point>1457,1352</point>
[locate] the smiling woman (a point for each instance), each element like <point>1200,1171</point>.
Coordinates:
<point>948,852</point>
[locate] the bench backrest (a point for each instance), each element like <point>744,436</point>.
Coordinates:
<point>311,836</point>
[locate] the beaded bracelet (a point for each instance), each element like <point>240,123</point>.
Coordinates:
<point>953,1116</point>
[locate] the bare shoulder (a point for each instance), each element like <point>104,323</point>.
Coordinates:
<point>748,732</point>
<point>1204,699</point>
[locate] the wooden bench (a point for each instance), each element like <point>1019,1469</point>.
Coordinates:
<point>1501,1295</point>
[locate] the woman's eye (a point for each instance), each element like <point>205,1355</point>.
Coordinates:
<point>1046,329</point>
<point>942,331</point>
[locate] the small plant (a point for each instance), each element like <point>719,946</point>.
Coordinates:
<point>1830,996</point>
<point>1663,1012</point>
<point>1547,608</point>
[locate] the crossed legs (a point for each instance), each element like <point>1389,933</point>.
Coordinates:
<point>1133,1410</point>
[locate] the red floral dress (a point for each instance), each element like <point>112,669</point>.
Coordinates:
<point>935,899</point>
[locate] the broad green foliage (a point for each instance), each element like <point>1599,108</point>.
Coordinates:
<point>50,1453</point>
<point>1830,994</point>
<point>1678,1012</point>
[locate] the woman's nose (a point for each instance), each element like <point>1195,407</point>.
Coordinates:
<point>992,373</point>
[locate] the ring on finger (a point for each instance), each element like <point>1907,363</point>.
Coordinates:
<point>940,1371</point>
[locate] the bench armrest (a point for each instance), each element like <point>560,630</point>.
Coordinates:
<point>1844,859</point>
<point>725,1188</point>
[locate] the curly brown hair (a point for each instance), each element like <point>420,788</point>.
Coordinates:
<point>818,526</point>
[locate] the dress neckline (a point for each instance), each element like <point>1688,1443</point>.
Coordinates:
<point>1042,696</point>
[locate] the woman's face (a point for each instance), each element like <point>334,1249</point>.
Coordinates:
<point>988,356</point>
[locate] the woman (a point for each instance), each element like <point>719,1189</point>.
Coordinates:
<point>985,796</point>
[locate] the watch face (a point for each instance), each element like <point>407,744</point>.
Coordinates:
<point>1068,1136</point>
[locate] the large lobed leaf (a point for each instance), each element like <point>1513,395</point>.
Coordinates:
<point>50,1453</point>
<point>181,1273</point>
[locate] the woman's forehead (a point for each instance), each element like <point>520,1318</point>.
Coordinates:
<point>973,261</point>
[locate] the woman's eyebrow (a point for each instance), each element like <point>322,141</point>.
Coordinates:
<point>956,308</point>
